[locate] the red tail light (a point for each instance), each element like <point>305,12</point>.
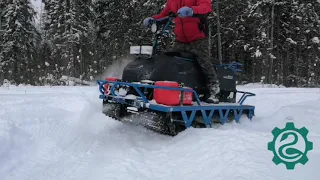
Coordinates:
<point>107,86</point>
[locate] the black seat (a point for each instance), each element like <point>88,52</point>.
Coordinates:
<point>183,54</point>
<point>189,55</point>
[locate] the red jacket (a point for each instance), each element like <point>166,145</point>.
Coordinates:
<point>187,29</point>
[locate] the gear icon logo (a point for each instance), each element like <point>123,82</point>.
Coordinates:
<point>288,152</point>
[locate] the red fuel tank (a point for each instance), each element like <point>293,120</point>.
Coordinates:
<point>171,97</point>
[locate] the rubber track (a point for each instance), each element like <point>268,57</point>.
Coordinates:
<point>158,124</point>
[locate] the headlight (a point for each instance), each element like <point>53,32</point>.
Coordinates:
<point>154,27</point>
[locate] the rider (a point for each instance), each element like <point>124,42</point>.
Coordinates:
<point>191,32</point>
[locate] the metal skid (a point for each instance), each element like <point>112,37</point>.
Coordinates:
<point>187,112</point>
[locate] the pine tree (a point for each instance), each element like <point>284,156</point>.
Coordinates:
<point>69,35</point>
<point>2,19</point>
<point>119,25</point>
<point>18,51</point>
<point>276,40</point>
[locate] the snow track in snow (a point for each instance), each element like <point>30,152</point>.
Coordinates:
<point>60,133</point>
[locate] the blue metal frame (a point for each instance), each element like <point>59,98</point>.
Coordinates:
<point>224,110</point>
<point>234,66</point>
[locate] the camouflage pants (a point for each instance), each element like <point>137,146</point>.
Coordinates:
<point>200,48</point>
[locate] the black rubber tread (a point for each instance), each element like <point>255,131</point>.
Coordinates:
<point>112,110</point>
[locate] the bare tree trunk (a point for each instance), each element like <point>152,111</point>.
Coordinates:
<point>297,68</point>
<point>218,32</point>
<point>271,44</point>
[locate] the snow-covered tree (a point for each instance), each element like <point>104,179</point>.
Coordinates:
<point>274,39</point>
<point>277,40</point>
<point>18,41</point>
<point>119,25</point>
<point>68,34</point>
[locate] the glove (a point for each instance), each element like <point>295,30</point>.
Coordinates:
<point>146,21</point>
<point>185,11</point>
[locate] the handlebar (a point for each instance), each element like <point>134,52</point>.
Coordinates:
<point>163,32</point>
<point>170,16</point>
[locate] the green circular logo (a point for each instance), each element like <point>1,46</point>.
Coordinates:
<point>292,152</point>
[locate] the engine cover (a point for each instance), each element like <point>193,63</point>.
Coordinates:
<point>166,67</point>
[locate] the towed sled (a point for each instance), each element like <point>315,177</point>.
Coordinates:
<point>165,91</point>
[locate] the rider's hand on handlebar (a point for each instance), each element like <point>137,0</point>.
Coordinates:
<point>147,21</point>
<point>185,11</point>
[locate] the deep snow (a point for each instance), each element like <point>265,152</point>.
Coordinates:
<point>59,133</point>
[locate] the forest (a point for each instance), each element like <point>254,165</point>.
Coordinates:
<point>277,41</point>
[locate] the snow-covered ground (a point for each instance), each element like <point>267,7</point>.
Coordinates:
<point>59,133</point>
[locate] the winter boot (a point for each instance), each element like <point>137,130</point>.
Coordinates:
<point>213,99</point>
<point>215,90</point>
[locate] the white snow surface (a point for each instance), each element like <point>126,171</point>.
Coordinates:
<point>59,133</point>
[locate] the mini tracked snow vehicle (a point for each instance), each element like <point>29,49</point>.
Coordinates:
<point>165,91</point>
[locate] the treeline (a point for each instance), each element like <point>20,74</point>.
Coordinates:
<point>277,41</point>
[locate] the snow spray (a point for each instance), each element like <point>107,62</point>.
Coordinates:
<point>116,68</point>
